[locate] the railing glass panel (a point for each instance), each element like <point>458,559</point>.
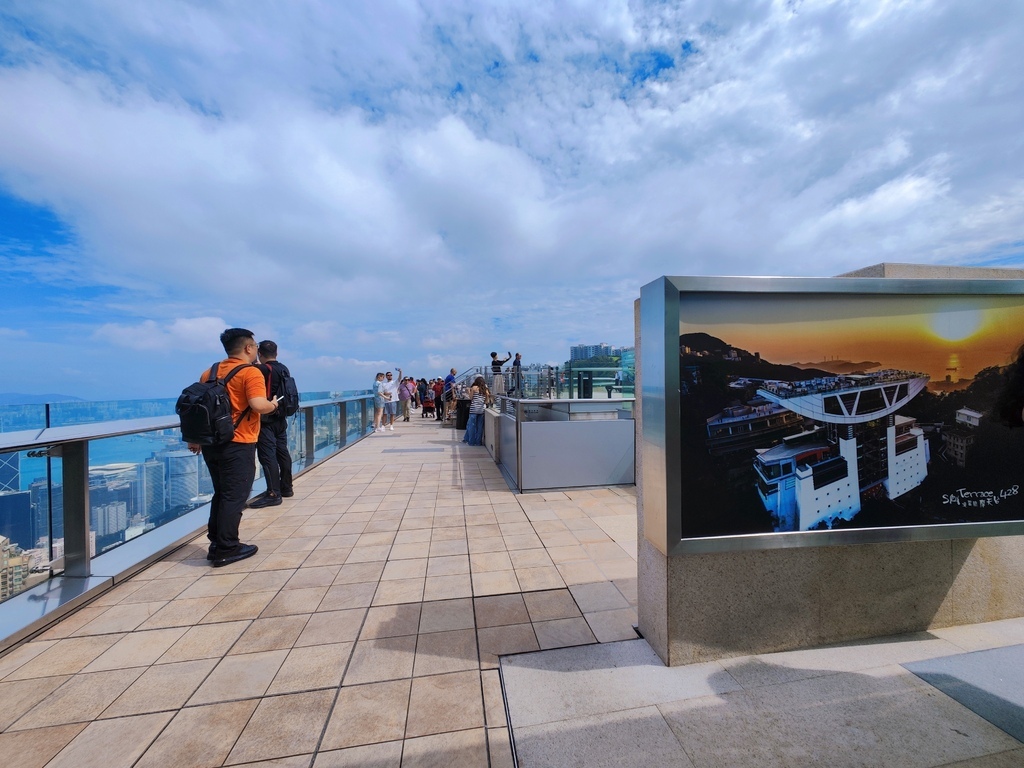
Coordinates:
<point>137,482</point>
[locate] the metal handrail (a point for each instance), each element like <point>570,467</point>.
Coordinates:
<point>46,437</point>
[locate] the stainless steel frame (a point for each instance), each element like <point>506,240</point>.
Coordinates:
<point>661,302</point>
<point>563,452</point>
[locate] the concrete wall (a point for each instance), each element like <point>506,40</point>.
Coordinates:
<point>702,607</point>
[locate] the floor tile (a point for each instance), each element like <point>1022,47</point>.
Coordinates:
<point>19,696</point>
<point>442,703</point>
<point>461,749</point>
<point>442,615</point>
<point>560,633</point>
<point>499,610</point>
<point>405,569</point>
<point>270,634</point>
<point>332,627</point>
<point>282,726</point>
<point>399,591</point>
<point>441,652</point>
<point>386,755</point>
<point>448,587</point>
<point>391,620</point>
<point>385,658</point>
<point>307,669</point>
<point>181,613</point>
<point>494,699</point>
<point>499,641</point>
<point>199,737</point>
<point>289,602</point>
<point>213,585</point>
<point>448,565</point>
<point>80,699</point>
<point>313,576</point>
<point>542,578</point>
<point>160,688</point>
<point>342,596</point>
<point>554,604</point>
<point>120,618</point>
<point>365,714</point>
<point>612,626</point>
<point>239,606</point>
<point>65,657</point>
<point>240,677</point>
<point>102,744</point>
<point>205,642</point>
<point>35,748</point>
<point>599,596</point>
<point>494,583</point>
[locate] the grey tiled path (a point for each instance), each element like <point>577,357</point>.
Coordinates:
<point>365,632</point>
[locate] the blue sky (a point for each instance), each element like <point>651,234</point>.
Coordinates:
<point>419,183</point>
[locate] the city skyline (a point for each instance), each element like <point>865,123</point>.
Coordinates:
<point>417,184</point>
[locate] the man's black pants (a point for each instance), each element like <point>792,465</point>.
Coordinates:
<point>232,469</point>
<point>272,450</point>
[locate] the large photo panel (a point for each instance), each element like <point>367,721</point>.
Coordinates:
<point>864,410</point>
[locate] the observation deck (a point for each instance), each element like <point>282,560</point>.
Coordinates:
<point>850,399</point>
<point>393,616</point>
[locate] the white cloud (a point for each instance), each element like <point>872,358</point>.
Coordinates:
<point>196,334</point>
<point>420,180</point>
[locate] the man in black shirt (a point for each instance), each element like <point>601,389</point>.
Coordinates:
<point>272,448</point>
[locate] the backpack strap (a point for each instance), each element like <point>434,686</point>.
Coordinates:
<point>212,376</point>
<point>228,378</point>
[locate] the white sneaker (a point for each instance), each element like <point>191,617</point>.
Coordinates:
<point>392,427</point>
<point>380,429</point>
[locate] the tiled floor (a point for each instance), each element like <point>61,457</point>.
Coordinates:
<point>365,632</point>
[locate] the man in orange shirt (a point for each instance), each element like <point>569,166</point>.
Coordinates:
<point>233,465</point>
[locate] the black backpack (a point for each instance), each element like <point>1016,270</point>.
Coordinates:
<point>287,389</point>
<point>205,410</point>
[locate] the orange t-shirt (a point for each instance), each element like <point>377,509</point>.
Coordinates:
<point>245,384</point>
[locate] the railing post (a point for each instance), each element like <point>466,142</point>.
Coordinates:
<point>310,437</point>
<point>343,423</point>
<point>366,416</point>
<point>75,472</point>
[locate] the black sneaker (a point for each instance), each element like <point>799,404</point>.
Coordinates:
<point>241,552</point>
<point>288,494</point>
<point>270,500</point>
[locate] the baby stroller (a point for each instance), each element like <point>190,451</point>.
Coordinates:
<point>428,404</point>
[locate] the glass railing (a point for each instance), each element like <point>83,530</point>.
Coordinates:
<point>553,383</point>
<point>139,474</point>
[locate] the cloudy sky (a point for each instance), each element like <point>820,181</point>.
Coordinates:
<point>418,182</point>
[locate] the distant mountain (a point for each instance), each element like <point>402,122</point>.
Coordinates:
<point>17,398</point>
<point>740,362</point>
<point>841,366</point>
<point>703,342</point>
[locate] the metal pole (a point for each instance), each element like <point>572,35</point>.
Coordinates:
<point>310,437</point>
<point>75,470</point>
<point>343,421</point>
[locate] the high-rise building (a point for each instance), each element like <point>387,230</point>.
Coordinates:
<point>14,568</point>
<point>182,477</point>
<point>111,518</point>
<point>154,488</point>
<point>42,497</point>
<point>16,518</point>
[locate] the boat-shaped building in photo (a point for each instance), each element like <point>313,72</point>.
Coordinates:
<point>859,445</point>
